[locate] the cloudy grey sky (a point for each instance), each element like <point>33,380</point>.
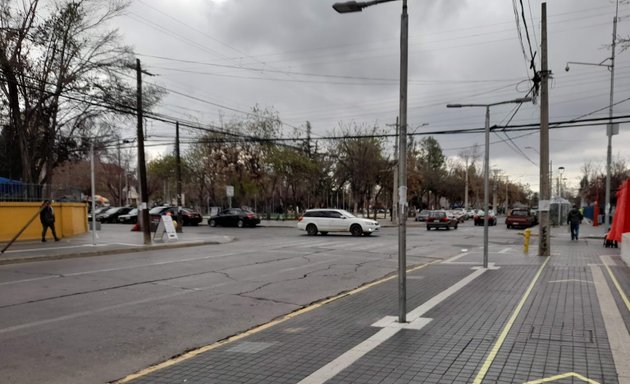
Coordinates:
<point>310,63</point>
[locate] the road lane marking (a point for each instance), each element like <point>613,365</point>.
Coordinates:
<point>563,376</point>
<point>390,326</point>
<point>607,260</point>
<point>618,336</point>
<point>495,349</point>
<point>260,328</point>
<point>56,248</point>
<point>456,257</point>
<point>505,250</point>
<point>571,281</point>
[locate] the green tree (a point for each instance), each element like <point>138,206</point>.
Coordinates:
<point>359,161</point>
<point>431,167</point>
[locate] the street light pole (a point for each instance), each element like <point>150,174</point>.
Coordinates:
<point>610,131</point>
<point>354,6</point>
<point>486,165</point>
<point>402,166</point>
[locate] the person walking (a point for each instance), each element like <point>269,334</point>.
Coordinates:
<point>47,217</point>
<point>574,219</point>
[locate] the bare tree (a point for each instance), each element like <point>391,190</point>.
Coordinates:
<point>62,70</point>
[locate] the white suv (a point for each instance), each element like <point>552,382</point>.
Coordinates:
<point>335,220</point>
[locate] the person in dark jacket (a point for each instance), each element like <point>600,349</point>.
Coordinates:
<point>574,219</point>
<point>47,217</point>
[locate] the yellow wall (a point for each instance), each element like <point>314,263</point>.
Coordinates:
<point>70,220</point>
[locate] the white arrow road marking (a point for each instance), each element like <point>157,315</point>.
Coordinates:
<point>390,326</point>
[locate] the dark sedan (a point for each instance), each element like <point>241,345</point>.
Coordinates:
<point>190,216</point>
<point>130,217</point>
<point>111,215</point>
<point>234,217</point>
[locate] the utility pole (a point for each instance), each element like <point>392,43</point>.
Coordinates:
<point>495,190</point>
<point>609,128</point>
<point>395,190</point>
<point>119,177</point>
<point>507,194</point>
<point>543,229</point>
<point>178,170</point>
<point>142,168</point>
<point>466,187</point>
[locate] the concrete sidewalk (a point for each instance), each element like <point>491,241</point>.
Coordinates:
<point>112,239</point>
<point>526,319</point>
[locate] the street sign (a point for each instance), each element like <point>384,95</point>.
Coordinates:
<point>612,129</point>
<point>165,226</point>
<point>229,190</point>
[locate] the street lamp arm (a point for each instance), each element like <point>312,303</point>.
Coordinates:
<point>601,64</point>
<point>515,101</point>
<point>354,6</point>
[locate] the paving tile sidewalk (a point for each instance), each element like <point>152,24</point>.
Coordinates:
<point>530,319</point>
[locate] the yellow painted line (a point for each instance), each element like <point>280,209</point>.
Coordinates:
<point>198,351</point>
<point>607,260</point>
<point>563,376</point>
<point>495,349</point>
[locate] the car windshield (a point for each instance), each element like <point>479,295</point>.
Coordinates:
<point>346,213</point>
<point>112,210</point>
<point>133,212</point>
<point>156,210</point>
<point>519,213</point>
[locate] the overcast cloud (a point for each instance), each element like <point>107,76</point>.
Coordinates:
<point>310,63</point>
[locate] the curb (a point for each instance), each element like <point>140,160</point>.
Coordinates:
<point>117,251</point>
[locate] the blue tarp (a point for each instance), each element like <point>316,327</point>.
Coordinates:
<point>4,180</point>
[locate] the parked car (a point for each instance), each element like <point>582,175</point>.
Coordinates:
<point>441,219</point>
<point>422,216</point>
<point>97,211</point>
<point>335,220</point>
<point>156,213</point>
<point>460,215</point>
<point>479,217</point>
<point>520,218</point>
<point>130,217</point>
<point>190,217</point>
<point>234,217</point>
<point>461,212</point>
<point>111,215</point>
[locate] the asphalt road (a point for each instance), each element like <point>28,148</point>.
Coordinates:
<point>94,320</point>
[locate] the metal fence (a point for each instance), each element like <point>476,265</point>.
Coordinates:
<point>14,191</point>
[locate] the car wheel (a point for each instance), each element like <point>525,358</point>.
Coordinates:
<point>448,227</point>
<point>508,226</point>
<point>240,223</point>
<point>428,228</point>
<point>455,226</point>
<point>311,230</point>
<point>356,230</point>
<point>212,223</point>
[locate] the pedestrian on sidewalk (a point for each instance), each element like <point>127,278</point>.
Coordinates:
<point>574,219</point>
<point>47,217</point>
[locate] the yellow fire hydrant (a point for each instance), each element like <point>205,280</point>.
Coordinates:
<point>527,234</point>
